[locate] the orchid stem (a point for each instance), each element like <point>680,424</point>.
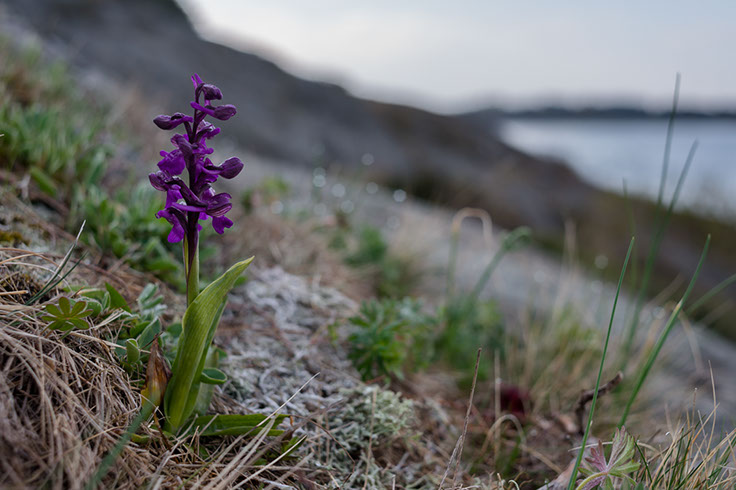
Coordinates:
<point>192,271</point>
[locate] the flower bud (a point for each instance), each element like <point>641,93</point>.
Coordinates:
<point>170,122</point>
<point>231,167</point>
<point>224,112</point>
<point>219,204</point>
<point>211,92</point>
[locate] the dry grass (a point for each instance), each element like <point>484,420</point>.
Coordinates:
<point>62,401</point>
<point>293,246</point>
<point>65,400</point>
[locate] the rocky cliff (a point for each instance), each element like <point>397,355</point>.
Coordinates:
<point>152,44</point>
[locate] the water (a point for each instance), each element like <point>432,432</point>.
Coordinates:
<point>609,152</point>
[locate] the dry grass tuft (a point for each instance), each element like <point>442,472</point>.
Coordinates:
<point>62,399</point>
<point>65,400</point>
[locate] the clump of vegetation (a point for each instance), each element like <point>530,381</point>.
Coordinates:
<point>391,337</point>
<point>394,276</point>
<point>62,140</point>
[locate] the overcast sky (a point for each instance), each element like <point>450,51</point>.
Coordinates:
<point>451,56</point>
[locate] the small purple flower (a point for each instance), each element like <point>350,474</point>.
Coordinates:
<point>188,203</point>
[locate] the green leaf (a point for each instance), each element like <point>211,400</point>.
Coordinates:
<point>44,182</point>
<point>68,314</point>
<point>79,324</point>
<point>100,300</point>
<point>140,325</point>
<point>65,306</point>
<point>207,390</point>
<point>236,425</point>
<point>133,353</point>
<point>199,324</point>
<point>174,330</point>
<point>212,376</point>
<point>62,325</point>
<point>53,310</point>
<point>116,299</point>
<point>96,308</point>
<point>78,308</point>
<point>149,333</point>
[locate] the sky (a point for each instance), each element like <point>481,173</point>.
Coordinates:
<point>454,56</point>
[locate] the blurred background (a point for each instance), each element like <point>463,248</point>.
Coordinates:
<point>589,84</point>
<point>540,114</point>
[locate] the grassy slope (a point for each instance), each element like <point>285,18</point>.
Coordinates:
<point>554,356</point>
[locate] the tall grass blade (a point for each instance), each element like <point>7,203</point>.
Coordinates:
<point>668,140</point>
<point>710,294</point>
<point>57,277</point>
<point>661,227</point>
<point>579,459</point>
<point>660,196</point>
<point>663,336</point>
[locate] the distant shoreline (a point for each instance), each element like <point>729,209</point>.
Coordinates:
<point>613,113</point>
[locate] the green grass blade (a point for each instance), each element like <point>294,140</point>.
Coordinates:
<point>56,278</point>
<point>707,296</point>
<point>668,140</point>
<point>236,425</point>
<point>579,459</point>
<point>660,229</point>
<point>663,336</point>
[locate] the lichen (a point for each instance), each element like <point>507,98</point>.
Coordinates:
<point>13,238</point>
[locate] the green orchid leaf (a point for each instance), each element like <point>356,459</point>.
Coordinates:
<point>207,388</point>
<point>212,376</point>
<point>236,425</point>
<point>198,329</point>
<point>292,445</point>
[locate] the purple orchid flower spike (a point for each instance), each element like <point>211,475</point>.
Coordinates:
<point>194,200</point>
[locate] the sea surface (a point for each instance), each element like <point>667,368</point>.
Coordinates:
<point>610,152</point>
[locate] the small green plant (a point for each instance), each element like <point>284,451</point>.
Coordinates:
<point>67,315</point>
<point>466,327</point>
<point>390,337</point>
<point>468,321</point>
<point>602,472</point>
<point>394,275</point>
<point>372,248</point>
